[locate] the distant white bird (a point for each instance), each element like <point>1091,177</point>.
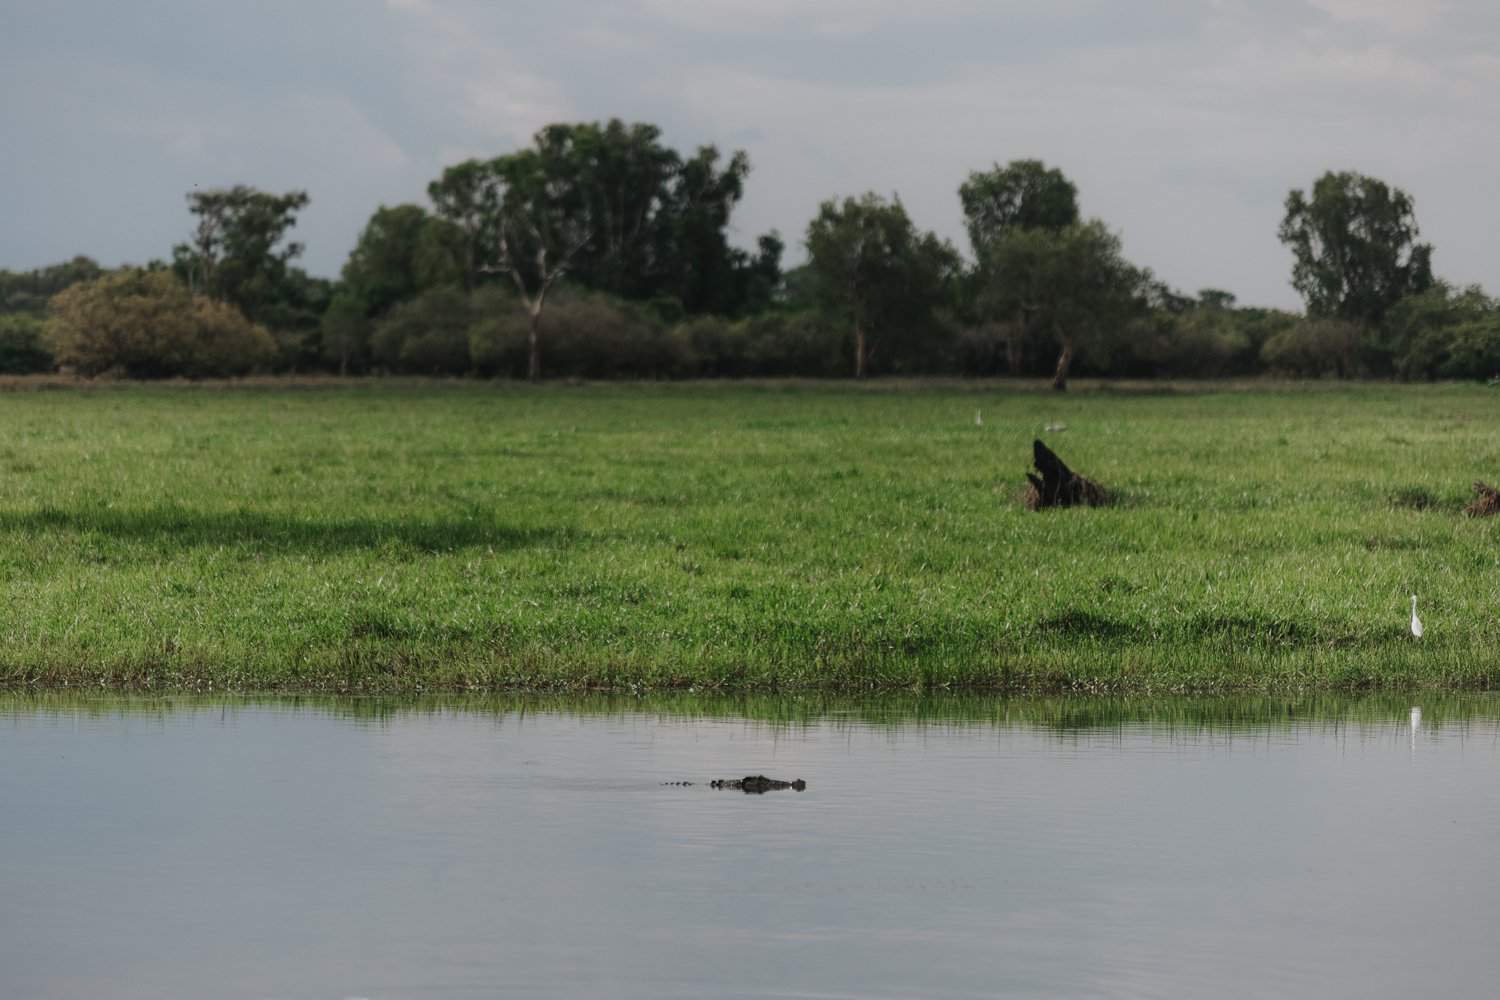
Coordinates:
<point>978,419</point>
<point>1416,623</point>
<point>1416,717</point>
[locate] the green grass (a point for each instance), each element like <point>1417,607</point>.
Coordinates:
<point>836,538</point>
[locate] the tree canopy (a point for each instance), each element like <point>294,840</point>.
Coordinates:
<point>606,218</point>
<point>655,223</point>
<point>236,253</point>
<point>869,265</point>
<point>1024,194</point>
<point>398,254</point>
<point>1078,279</point>
<point>1354,247</point>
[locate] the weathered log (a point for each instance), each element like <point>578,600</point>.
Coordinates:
<point>1058,485</point>
<point>1487,503</point>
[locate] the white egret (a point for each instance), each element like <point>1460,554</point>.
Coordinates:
<point>1416,623</point>
<point>978,419</point>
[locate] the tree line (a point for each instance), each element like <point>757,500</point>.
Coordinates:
<point>597,251</point>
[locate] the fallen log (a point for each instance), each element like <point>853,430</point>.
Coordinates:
<point>1487,503</point>
<point>1059,486</point>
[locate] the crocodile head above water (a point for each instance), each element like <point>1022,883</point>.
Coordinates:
<point>758,784</point>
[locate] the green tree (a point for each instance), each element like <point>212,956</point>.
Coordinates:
<point>146,324</point>
<point>294,317</point>
<point>467,198</point>
<point>620,178</point>
<point>29,292</point>
<point>1444,332</point>
<point>1354,248</point>
<point>870,266</point>
<point>521,215</point>
<point>697,266</point>
<point>236,253</point>
<point>544,223</point>
<point>345,329</point>
<point>399,254</point>
<point>1077,280</point>
<point>22,350</point>
<point>657,221</point>
<point>1024,195</point>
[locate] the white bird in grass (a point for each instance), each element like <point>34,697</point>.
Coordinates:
<point>1416,623</point>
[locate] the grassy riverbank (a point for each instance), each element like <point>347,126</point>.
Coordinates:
<point>761,537</point>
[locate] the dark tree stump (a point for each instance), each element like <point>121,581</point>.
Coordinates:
<point>1487,503</point>
<point>1058,485</point>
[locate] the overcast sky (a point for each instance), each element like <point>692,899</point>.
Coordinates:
<point>1184,123</point>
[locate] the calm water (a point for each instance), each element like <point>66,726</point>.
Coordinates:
<point>240,849</point>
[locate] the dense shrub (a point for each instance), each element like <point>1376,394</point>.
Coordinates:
<point>1195,343</point>
<point>498,335</point>
<point>225,343</point>
<point>344,334</point>
<point>30,291</point>
<point>427,336</point>
<point>989,349</point>
<point>21,349</point>
<point>1473,351</point>
<point>598,337</point>
<point>449,331</point>
<point>1443,333</point>
<point>795,343</point>
<point>1313,348</point>
<point>145,324</point>
<point>717,346</point>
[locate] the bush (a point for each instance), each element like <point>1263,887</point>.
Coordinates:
<point>987,349</point>
<point>1473,350</point>
<point>498,334</point>
<point>1313,348</point>
<point>427,336</point>
<point>794,343</point>
<point>344,331</point>
<point>448,331</point>
<point>597,337</point>
<point>717,347</point>
<point>1196,343</point>
<point>226,343</point>
<point>145,324</point>
<point>1443,333</point>
<point>21,349</point>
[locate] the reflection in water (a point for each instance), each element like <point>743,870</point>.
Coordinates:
<point>1061,712</point>
<point>943,847</point>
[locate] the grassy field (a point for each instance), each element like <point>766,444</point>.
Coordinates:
<point>815,537</point>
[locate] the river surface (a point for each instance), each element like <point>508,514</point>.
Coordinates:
<point>277,849</point>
